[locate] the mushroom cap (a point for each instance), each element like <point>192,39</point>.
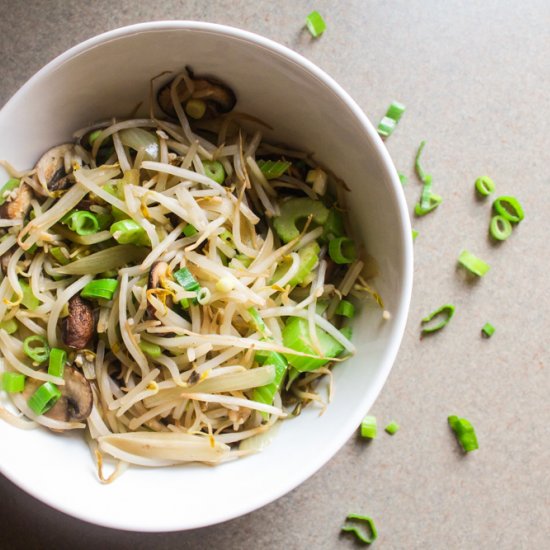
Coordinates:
<point>50,169</point>
<point>76,401</point>
<point>78,327</point>
<point>19,206</point>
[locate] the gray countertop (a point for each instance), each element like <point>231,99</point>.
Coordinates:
<point>475,76</point>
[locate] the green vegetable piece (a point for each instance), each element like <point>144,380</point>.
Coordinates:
<point>265,394</point>
<point>309,256</point>
<point>434,202</point>
<point>29,300</point>
<point>296,210</point>
<point>273,169</point>
<point>342,250</point>
<point>36,347</point>
<point>366,537</point>
<point>509,208</point>
<point>152,350</point>
<point>82,222</point>
<point>214,170</point>
<point>418,167</point>
<point>487,330</point>
<point>465,433</point>
<point>185,279</point>
<point>392,428</point>
<point>12,382</point>
<point>195,108</point>
<point>414,234</point>
<point>189,230</point>
<point>60,255</point>
<point>57,360</point>
<point>446,311</point>
<point>44,398</point>
<point>500,228</point>
<point>334,226</point>
<point>315,24</point>
<point>485,186</point>
<point>473,264</point>
<point>346,309</point>
<point>10,326</point>
<point>369,428</point>
<point>296,337</point>
<point>129,232</point>
<point>7,188</point>
<point>100,289</point>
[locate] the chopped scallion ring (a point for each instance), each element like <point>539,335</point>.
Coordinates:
<point>388,124</point>
<point>100,288</point>
<point>57,360</point>
<point>473,264</point>
<point>10,326</point>
<point>367,537</point>
<point>12,382</point>
<point>500,228</point>
<point>485,185</point>
<point>258,322</point>
<point>342,250</point>
<point>487,330</point>
<point>203,296</point>
<point>36,347</point>
<point>315,24</point>
<point>152,350</point>
<point>129,232</point>
<point>346,309</point>
<point>509,208</point>
<point>434,202</point>
<point>185,279</point>
<point>369,427</point>
<point>464,432</point>
<point>392,428</point>
<point>273,169</point>
<point>446,311</point>
<point>82,222</point>
<point>44,398</point>
<point>214,170</point>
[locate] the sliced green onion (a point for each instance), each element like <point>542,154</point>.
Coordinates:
<point>366,537</point>
<point>265,394</point>
<point>184,303</point>
<point>346,309</point>
<point>203,296</point>
<point>509,208</point>
<point>189,230</point>
<point>195,108</point>
<point>426,195</point>
<point>392,428</point>
<point>152,350</point>
<point>244,259</point>
<point>214,170</point>
<point>487,330</point>
<point>369,427</point>
<point>12,382</point>
<point>100,289</point>
<point>273,169</point>
<point>473,263</point>
<point>485,185</point>
<point>60,254</point>
<point>403,179</point>
<point>446,311</point>
<point>414,234</point>
<point>419,170</point>
<point>500,228</point>
<point>56,365</point>
<point>185,279</point>
<point>29,300</point>
<point>82,222</point>
<point>315,24</point>
<point>36,347</point>
<point>388,124</point>
<point>465,433</point>
<point>10,326</point>
<point>334,226</point>
<point>395,110</point>
<point>44,398</point>
<point>342,250</point>
<point>93,136</point>
<point>129,232</point>
<point>258,322</point>
<point>7,188</point>
<point>434,202</point>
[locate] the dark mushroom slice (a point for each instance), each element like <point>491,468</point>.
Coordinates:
<point>158,270</point>
<point>218,97</point>
<point>50,169</point>
<point>17,207</point>
<point>75,403</point>
<point>78,327</point>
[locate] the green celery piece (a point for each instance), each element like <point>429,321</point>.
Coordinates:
<point>294,210</point>
<point>334,226</point>
<point>308,258</point>
<point>30,301</point>
<point>265,394</point>
<point>296,337</point>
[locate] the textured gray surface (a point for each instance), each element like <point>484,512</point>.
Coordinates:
<point>476,78</point>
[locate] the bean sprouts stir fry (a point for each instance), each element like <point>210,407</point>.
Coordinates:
<point>173,285</point>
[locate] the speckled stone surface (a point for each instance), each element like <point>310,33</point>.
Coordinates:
<point>475,77</point>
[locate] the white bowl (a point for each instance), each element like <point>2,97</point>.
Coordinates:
<point>109,75</point>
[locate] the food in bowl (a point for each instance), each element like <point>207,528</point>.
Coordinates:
<point>174,285</point>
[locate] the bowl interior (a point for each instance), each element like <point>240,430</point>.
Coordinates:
<point>108,76</point>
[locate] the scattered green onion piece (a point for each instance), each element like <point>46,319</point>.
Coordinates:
<point>485,186</point>
<point>189,230</point>
<point>203,296</point>
<point>447,311</point>
<point>419,170</point>
<point>334,226</point>
<point>29,300</point>
<point>465,433</point>
<point>273,169</point>
<point>258,322</point>
<point>265,394</point>
<point>12,382</point>
<point>395,111</point>
<point>58,254</point>
<point>369,427</point>
<point>346,309</point>
<point>509,208</point>
<point>487,330</point>
<point>93,136</point>
<point>44,398</point>
<point>426,195</point>
<point>82,222</point>
<point>185,279</point>
<point>244,259</point>
<point>392,428</point>
<point>56,365</point>
<point>214,170</point>
<point>434,202</point>
<point>500,228</point>
<point>152,350</point>
<point>100,288</point>
<point>7,188</point>
<point>386,126</point>
<point>195,108</point>
<point>184,303</point>
<point>414,234</point>
<point>129,232</point>
<point>342,250</point>
<point>473,263</point>
<point>315,24</point>
<point>403,179</point>
<point>36,347</point>
<point>10,326</point>
<point>364,537</point>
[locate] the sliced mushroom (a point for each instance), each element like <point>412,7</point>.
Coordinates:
<point>75,403</point>
<point>50,169</point>
<point>17,207</point>
<point>218,97</point>
<point>79,326</point>
<point>158,270</point>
